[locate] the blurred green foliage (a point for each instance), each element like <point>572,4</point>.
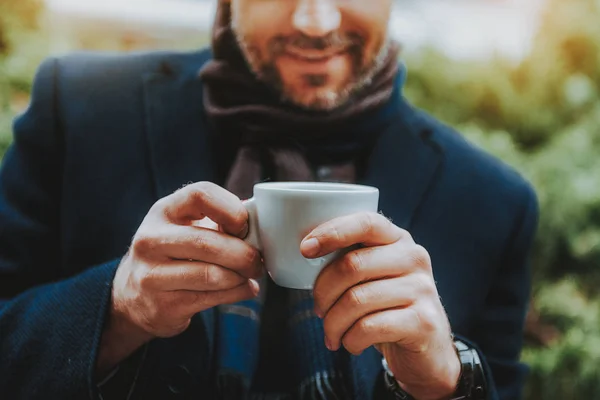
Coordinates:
<point>15,16</point>
<point>18,21</point>
<point>5,133</point>
<point>542,116</point>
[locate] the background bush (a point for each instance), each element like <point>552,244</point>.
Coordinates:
<point>541,116</point>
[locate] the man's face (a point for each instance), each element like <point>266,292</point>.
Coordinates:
<point>315,52</point>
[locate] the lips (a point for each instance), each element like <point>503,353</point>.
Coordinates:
<point>314,55</point>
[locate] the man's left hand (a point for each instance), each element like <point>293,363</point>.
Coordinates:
<point>384,295</point>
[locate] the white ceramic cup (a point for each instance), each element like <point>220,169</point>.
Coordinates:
<point>281,214</point>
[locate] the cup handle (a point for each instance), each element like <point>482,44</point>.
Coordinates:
<point>252,238</point>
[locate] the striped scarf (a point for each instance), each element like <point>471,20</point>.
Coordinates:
<point>316,373</point>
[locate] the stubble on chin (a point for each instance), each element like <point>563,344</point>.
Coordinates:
<point>317,96</point>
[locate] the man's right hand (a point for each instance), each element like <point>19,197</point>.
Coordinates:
<point>187,256</point>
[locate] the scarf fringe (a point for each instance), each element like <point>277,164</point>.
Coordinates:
<point>323,386</point>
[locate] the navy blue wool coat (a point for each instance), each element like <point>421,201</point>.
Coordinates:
<point>105,136</point>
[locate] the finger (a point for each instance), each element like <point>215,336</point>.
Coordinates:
<point>202,199</point>
<point>369,229</point>
<point>199,301</point>
<point>366,264</point>
<point>176,242</point>
<point>196,276</point>
<point>389,326</point>
<point>364,299</point>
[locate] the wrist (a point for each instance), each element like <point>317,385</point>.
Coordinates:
<point>448,380</point>
<point>471,382</point>
<point>443,387</point>
<point>120,338</point>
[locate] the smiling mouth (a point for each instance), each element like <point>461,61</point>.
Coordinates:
<point>314,55</point>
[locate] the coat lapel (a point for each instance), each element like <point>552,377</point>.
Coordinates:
<point>402,165</point>
<point>177,133</point>
<point>178,143</point>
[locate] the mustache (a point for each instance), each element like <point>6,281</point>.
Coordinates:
<point>333,40</point>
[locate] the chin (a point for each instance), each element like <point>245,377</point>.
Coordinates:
<point>315,99</point>
<point>320,93</point>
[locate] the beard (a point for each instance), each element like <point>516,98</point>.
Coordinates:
<point>264,66</point>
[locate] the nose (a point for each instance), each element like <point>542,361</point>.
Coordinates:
<point>317,17</point>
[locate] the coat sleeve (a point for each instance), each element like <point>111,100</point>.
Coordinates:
<point>50,327</point>
<point>498,335</point>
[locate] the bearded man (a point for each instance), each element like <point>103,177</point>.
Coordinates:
<point>163,147</point>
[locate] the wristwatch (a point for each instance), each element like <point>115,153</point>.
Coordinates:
<point>471,383</point>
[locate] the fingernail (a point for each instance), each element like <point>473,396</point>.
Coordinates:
<point>318,312</point>
<point>254,286</point>
<point>328,344</point>
<point>310,247</point>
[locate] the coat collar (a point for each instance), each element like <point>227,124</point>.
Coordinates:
<point>403,163</point>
